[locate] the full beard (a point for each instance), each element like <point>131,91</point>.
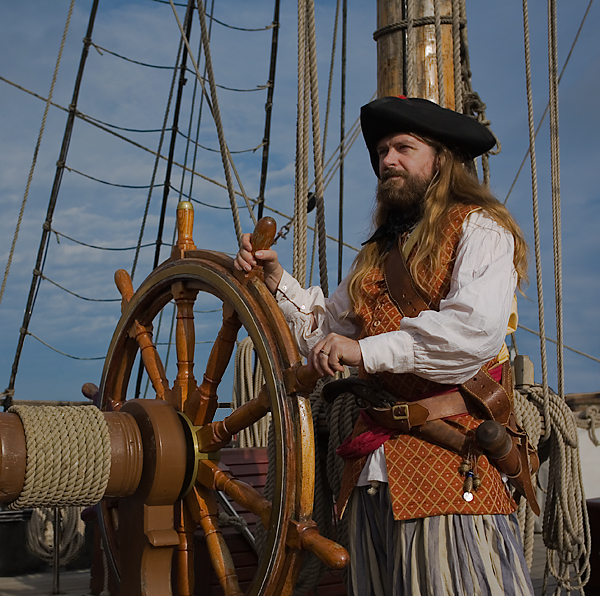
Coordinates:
<point>395,196</point>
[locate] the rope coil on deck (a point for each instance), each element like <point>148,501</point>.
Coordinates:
<point>40,534</point>
<point>68,456</point>
<point>247,382</point>
<point>566,528</point>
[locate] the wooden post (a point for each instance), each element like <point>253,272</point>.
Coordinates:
<point>390,49</point>
<point>392,61</point>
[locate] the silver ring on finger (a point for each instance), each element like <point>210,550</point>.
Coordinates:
<point>324,352</point>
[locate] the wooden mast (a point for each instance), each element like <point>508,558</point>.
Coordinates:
<point>392,61</point>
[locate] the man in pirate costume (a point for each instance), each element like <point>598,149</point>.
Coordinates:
<point>423,314</point>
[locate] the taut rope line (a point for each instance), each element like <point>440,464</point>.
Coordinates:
<point>536,218</point>
<point>555,169</point>
<point>36,151</point>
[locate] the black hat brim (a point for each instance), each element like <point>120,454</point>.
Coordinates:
<point>393,115</point>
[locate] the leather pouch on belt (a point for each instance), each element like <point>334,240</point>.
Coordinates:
<point>512,454</point>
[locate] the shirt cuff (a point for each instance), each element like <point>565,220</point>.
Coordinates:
<point>289,296</point>
<point>392,352</point>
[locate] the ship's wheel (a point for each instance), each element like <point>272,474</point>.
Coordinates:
<point>180,480</point>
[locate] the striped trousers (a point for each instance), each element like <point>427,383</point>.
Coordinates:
<point>447,555</point>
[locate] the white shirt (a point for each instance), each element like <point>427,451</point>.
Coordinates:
<point>447,346</point>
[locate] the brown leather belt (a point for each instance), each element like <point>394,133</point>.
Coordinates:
<point>406,415</point>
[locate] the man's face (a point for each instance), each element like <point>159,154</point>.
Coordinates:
<point>401,155</point>
<point>406,167</point>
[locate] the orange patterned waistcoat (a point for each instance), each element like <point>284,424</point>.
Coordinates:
<point>423,477</point>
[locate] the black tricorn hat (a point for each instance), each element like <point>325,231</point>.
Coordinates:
<point>388,115</point>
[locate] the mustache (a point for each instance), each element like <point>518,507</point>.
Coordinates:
<point>391,172</point>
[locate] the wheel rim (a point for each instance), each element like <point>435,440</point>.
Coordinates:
<point>275,355</point>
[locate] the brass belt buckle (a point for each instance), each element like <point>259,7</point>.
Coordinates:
<point>400,412</point>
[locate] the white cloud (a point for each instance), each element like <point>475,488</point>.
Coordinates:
<point>128,95</point>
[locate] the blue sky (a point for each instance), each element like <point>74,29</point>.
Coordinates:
<point>134,96</point>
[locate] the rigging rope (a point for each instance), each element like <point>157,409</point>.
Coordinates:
<point>330,81</point>
<point>156,162</point>
<point>562,72</point>
<point>410,85</point>
<point>342,136</point>
<point>439,56</point>
<point>251,150</point>
<point>555,171</point>
<point>554,341</point>
<point>62,353</point>
<point>134,187</point>
<point>98,124</point>
<point>301,166</point>
<point>44,241</point>
<point>99,49</point>
<point>456,46</point>
<point>317,154</point>
<point>536,219</point>
<point>42,276</point>
<point>214,108</point>
<point>36,150</point>
<point>217,20</point>
<point>94,246</point>
<point>202,97</point>
<point>268,110</point>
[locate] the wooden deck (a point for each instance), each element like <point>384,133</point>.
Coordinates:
<point>76,583</point>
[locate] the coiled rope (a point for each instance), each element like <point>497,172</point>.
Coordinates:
<point>247,382</point>
<point>529,418</point>
<point>341,417</point>
<point>68,456</point>
<point>589,420</point>
<point>40,534</point>
<point>565,529</point>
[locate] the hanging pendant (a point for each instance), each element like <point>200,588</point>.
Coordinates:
<point>374,488</point>
<point>472,481</point>
<point>468,486</point>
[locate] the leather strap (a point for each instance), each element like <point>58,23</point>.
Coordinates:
<point>401,285</point>
<point>405,416</point>
<point>490,395</point>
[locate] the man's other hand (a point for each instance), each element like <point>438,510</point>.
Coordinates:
<point>244,261</point>
<point>331,353</point>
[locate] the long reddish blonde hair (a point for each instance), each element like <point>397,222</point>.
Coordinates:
<point>453,184</point>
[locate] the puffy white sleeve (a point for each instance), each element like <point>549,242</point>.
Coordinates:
<point>450,345</point>
<point>311,316</point>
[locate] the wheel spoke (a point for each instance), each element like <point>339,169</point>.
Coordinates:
<point>211,476</point>
<point>203,507</point>
<point>143,335</point>
<point>300,534</point>
<point>203,404</point>
<point>185,525</point>
<point>185,339</point>
<point>217,435</point>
